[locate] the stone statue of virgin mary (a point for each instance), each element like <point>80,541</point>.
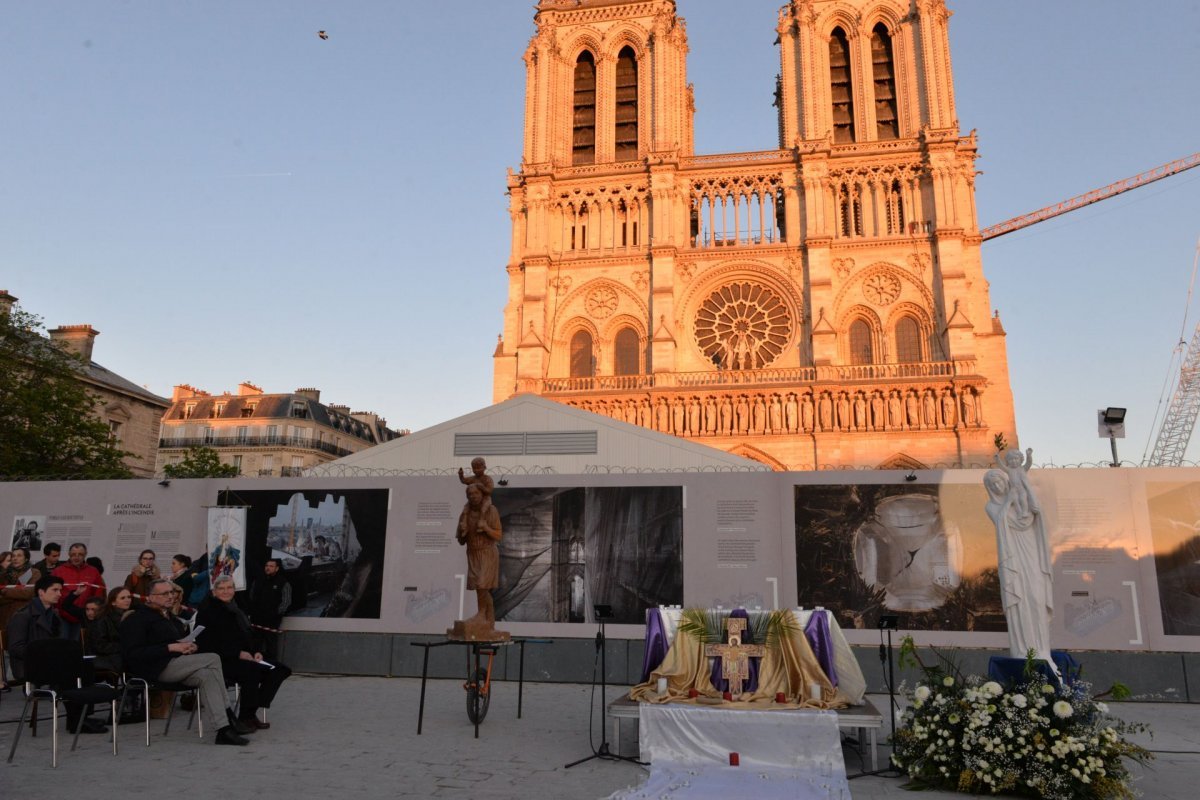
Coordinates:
<point>1024,559</point>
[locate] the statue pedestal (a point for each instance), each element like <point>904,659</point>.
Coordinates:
<point>476,630</point>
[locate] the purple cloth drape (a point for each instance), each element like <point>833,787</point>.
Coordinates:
<point>817,633</point>
<point>722,685</point>
<point>656,643</point>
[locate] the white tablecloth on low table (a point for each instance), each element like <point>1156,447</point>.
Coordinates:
<point>795,754</point>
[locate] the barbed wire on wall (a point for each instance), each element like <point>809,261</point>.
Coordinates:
<point>351,471</point>
<point>616,469</point>
<point>941,465</point>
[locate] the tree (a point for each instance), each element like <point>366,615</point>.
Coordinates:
<point>48,421</point>
<point>201,462</point>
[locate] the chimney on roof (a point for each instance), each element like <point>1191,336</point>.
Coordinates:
<point>247,388</point>
<point>311,394</point>
<point>77,339</point>
<point>185,391</point>
<point>7,301</point>
<point>340,409</point>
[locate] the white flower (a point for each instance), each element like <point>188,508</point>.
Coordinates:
<point>1062,709</point>
<point>947,681</point>
<point>1019,700</point>
<point>922,693</point>
<point>1047,689</point>
<point>992,689</point>
<point>1102,708</point>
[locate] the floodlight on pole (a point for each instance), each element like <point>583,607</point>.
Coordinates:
<point>1111,423</point>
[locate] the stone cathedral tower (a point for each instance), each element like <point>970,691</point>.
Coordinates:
<point>818,305</point>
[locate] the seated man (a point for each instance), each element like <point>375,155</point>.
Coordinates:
<point>38,621</point>
<point>151,650</point>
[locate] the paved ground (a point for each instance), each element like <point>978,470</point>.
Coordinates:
<point>356,737</point>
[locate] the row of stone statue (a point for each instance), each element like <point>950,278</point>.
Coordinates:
<point>761,413</point>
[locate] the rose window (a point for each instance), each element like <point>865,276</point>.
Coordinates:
<point>602,302</point>
<point>743,325</point>
<point>881,289</point>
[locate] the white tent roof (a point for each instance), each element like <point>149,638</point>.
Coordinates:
<point>528,433</point>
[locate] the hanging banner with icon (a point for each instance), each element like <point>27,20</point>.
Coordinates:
<point>226,544</point>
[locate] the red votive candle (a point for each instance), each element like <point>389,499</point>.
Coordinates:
<point>693,693</point>
<point>728,697</point>
<point>780,697</point>
<point>734,760</point>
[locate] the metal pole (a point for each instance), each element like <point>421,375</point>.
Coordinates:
<point>1113,441</point>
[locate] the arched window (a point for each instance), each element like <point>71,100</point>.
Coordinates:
<point>627,105</point>
<point>583,364</point>
<point>840,88</point>
<point>583,142</point>
<point>861,349</point>
<point>908,341</point>
<point>887,122</point>
<point>625,353</point>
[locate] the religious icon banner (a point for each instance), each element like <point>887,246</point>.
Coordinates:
<point>226,544</point>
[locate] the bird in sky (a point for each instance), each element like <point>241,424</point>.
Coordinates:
<point>323,34</point>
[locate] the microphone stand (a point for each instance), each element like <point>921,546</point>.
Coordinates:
<point>602,752</point>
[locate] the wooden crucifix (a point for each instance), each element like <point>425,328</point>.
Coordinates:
<point>735,656</point>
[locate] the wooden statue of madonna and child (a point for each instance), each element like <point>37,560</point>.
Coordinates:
<point>479,531</point>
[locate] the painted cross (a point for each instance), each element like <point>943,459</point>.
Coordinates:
<point>735,656</point>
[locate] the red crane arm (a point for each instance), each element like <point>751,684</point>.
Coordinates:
<point>1094,196</point>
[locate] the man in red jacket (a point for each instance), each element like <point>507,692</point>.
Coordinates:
<point>81,581</point>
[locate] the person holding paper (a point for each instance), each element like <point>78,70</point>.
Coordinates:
<point>151,649</point>
<point>227,633</point>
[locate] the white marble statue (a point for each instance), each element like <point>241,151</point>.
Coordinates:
<point>1026,587</point>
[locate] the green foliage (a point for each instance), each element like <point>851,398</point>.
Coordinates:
<point>708,626</point>
<point>48,421</point>
<point>201,462</point>
<point>1118,691</point>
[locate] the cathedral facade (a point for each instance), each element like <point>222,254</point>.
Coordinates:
<point>818,305</point>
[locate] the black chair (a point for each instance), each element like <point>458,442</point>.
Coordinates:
<point>176,689</point>
<point>55,668</point>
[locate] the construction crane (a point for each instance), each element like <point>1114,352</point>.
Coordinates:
<point>1180,419</point>
<point>1094,196</point>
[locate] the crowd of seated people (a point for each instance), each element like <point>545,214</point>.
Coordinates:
<point>142,634</point>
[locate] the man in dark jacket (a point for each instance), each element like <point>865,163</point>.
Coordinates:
<point>34,623</point>
<point>270,598</point>
<point>151,648</point>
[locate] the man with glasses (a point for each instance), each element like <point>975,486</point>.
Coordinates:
<point>152,650</point>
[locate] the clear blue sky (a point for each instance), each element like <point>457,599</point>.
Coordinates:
<point>227,197</point>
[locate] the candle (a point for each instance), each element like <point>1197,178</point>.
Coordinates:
<point>662,685</point>
<point>814,691</point>
<point>780,697</point>
<point>734,760</point>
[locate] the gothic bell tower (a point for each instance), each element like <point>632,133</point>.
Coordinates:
<point>822,304</point>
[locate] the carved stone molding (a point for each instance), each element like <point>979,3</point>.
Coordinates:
<point>602,302</point>
<point>881,289</point>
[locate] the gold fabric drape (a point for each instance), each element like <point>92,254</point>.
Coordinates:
<point>789,666</point>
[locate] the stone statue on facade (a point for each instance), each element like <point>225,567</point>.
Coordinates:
<point>1026,581</point>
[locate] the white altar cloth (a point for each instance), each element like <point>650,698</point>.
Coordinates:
<point>785,754</point>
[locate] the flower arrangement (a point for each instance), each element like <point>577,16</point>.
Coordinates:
<point>1035,738</point>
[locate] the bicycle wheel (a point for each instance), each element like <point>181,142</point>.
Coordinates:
<point>477,701</point>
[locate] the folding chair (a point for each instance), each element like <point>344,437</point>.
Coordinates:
<point>54,668</point>
<point>175,689</point>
